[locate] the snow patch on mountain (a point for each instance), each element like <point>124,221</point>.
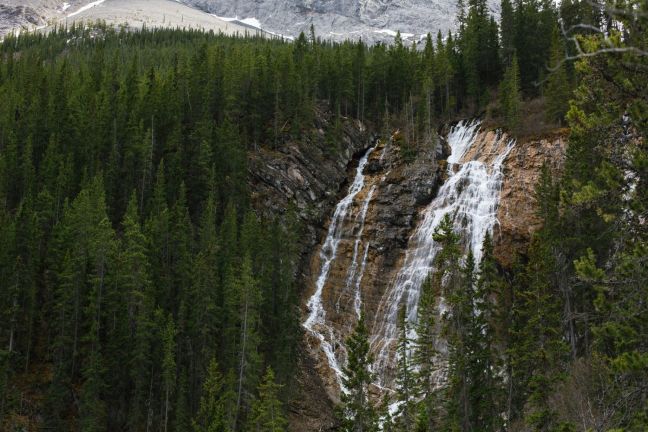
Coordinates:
<point>84,8</point>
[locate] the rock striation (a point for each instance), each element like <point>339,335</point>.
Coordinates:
<point>306,175</point>
<point>371,243</point>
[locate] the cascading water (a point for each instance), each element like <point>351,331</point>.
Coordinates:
<point>354,278</point>
<point>471,195</point>
<point>316,322</point>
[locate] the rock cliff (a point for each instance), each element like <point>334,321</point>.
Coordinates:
<point>376,228</point>
<point>306,174</point>
<point>371,20</point>
<point>374,237</point>
<point>517,211</point>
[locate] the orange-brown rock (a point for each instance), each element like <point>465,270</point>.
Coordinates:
<point>398,192</point>
<point>517,209</point>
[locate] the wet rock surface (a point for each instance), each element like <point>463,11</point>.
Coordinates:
<point>369,253</point>
<point>306,175</point>
<point>311,177</point>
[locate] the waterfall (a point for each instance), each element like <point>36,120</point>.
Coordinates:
<point>316,322</point>
<point>471,195</point>
<point>354,278</point>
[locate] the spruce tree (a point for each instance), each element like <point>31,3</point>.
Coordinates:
<point>136,321</point>
<point>424,356</point>
<point>458,331</point>
<point>168,367</point>
<point>267,412</point>
<point>247,303</point>
<point>487,393</point>
<point>557,89</point>
<point>537,350</point>
<point>507,31</point>
<point>509,95</point>
<point>211,415</point>
<point>357,412</point>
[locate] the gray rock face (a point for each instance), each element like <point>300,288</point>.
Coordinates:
<point>371,20</point>
<point>26,14</point>
<point>42,14</point>
<point>307,175</point>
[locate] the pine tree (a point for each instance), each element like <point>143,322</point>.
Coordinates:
<point>557,89</point>
<point>424,357</point>
<point>267,412</point>
<point>487,388</point>
<point>509,95</point>
<point>168,367</point>
<point>507,31</point>
<point>211,416</point>
<point>136,321</point>
<point>206,308</point>
<point>101,245</point>
<point>458,331</point>
<point>537,349</point>
<point>357,412</point>
<point>247,362</point>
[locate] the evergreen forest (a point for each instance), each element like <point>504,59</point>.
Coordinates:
<point>140,290</point>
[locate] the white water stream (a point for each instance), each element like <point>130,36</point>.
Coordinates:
<point>316,321</point>
<point>471,195</point>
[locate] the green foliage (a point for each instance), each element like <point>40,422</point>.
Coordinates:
<point>123,181</point>
<point>557,89</point>
<point>424,355</point>
<point>212,413</point>
<point>267,414</point>
<point>357,412</point>
<point>510,96</point>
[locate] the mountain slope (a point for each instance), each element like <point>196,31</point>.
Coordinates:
<point>132,13</point>
<point>371,20</point>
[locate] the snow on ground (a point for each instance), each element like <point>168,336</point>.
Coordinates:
<point>35,15</point>
<point>253,23</point>
<point>393,33</point>
<point>85,8</point>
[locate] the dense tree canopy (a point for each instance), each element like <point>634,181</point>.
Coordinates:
<point>140,291</point>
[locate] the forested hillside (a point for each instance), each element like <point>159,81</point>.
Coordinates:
<point>140,290</point>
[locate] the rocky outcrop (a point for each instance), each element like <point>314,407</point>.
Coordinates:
<point>374,238</point>
<point>311,176</point>
<point>14,15</point>
<point>517,210</point>
<point>135,14</point>
<point>305,175</point>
